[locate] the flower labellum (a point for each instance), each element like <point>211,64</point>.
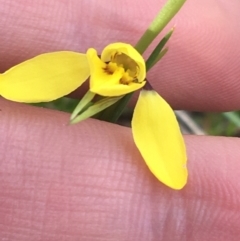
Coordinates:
<point>119,71</point>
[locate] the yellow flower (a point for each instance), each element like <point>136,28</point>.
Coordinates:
<point>119,70</point>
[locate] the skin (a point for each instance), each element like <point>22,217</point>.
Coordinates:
<point>88,181</point>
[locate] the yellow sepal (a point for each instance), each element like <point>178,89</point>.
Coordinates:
<point>44,78</point>
<point>157,136</point>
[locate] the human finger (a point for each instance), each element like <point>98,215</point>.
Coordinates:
<point>89,182</point>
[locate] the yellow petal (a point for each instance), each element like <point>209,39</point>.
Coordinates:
<point>99,76</point>
<point>157,136</point>
<point>44,78</point>
<point>130,51</point>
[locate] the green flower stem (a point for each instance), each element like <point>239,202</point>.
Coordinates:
<point>162,19</point>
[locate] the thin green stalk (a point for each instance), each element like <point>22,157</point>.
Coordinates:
<point>162,19</point>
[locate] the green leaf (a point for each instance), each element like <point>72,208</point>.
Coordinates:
<point>158,53</point>
<point>158,57</point>
<point>112,113</point>
<point>95,108</point>
<point>83,104</point>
